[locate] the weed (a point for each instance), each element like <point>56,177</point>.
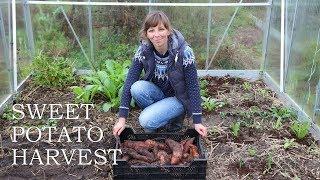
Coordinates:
<point>282,112</point>
<point>277,125</point>
<point>223,115</point>
<point>203,87</point>
<point>252,152</point>
<point>211,104</point>
<point>235,128</point>
<point>52,72</point>
<point>314,149</point>
<point>269,163</point>
<point>48,123</point>
<point>241,163</point>
<point>9,114</point>
<point>263,93</point>
<point>246,86</point>
<point>288,143</point>
<point>300,129</point>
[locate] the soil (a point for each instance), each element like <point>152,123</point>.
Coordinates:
<point>256,153</point>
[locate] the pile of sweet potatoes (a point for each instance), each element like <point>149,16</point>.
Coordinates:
<point>151,152</point>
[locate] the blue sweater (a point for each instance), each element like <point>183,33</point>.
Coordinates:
<point>190,77</point>
<point>161,80</point>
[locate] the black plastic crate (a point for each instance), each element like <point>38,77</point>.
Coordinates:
<point>195,170</point>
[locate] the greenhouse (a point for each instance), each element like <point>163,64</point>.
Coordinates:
<point>65,65</point>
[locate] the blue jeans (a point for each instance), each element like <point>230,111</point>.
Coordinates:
<point>158,110</point>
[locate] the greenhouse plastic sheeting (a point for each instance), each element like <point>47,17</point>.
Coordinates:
<point>272,64</point>
<point>5,75</point>
<point>303,51</point>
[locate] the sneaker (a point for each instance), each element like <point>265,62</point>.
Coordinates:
<point>175,124</point>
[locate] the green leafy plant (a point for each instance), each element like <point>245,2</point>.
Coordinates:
<point>45,123</point>
<point>235,129</point>
<point>223,115</point>
<point>277,125</point>
<point>300,129</point>
<point>8,114</point>
<point>314,149</point>
<point>282,112</point>
<point>52,72</point>
<point>246,86</point>
<point>288,143</point>
<point>252,152</point>
<point>109,82</point>
<point>85,94</point>
<point>241,163</point>
<point>211,104</point>
<point>269,162</point>
<point>263,93</point>
<point>203,87</point>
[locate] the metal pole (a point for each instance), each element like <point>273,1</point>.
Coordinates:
<point>208,34</point>
<point>282,51</point>
<point>149,4</point>
<point>287,56</point>
<point>90,31</point>
<point>14,46</point>
<point>10,48</point>
<point>150,7</point>
<point>266,37</point>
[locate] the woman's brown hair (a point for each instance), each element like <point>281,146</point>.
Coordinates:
<point>153,19</point>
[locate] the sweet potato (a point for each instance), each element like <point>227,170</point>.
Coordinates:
<point>146,153</point>
<point>133,154</point>
<point>125,157</point>
<point>186,145</point>
<point>151,152</point>
<point>163,157</point>
<point>194,151</point>
<point>152,144</point>
<point>176,150</point>
<point>135,144</point>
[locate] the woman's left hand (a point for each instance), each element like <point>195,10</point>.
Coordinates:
<point>201,129</point>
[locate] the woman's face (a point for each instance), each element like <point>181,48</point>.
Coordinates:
<point>158,36</point>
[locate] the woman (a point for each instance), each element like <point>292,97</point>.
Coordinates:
<point>169,88</point>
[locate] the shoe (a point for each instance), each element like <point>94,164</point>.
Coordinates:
<point>175,124</point>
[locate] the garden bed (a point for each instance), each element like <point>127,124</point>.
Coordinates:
<point>263,147</point>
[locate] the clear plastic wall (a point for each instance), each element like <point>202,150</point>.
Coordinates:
<point>24,40</point>
<point>5,65</point>
<point>221,37</point>
<point>272,64</point>
<point>303,53</point>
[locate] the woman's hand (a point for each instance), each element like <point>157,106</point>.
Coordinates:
<point>201,129</point>
<point>119,126</point>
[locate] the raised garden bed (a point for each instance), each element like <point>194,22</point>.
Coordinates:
<point>262,148</point>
